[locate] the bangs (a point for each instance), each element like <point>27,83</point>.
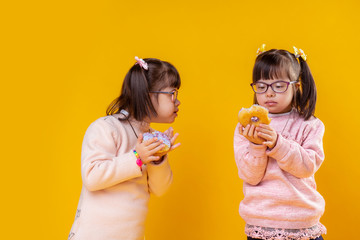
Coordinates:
<point>170,78</point>
<point>272,66</point>
<point>173,79</point>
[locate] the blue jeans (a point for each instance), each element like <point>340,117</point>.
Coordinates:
<point>318,238</point>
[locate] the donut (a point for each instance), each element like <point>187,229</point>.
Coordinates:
<point>159,136</point>
<point>254,115</point>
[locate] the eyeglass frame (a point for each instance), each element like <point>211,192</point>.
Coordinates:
<point>174,94</point>
<point>270,85</point>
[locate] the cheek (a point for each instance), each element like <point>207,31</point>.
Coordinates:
<point>291,95</point>
<point>259,98</point>
<point>169,109</point>
<point>288,99</point>
<point>156,106</point>
<point>165,108</point>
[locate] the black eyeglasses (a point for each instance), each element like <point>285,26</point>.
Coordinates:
<point>278,87</point>
<point>173,93</point>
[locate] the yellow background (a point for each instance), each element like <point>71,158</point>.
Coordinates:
<point>63,62</point>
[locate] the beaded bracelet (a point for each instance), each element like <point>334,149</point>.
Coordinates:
<point>138,159</point>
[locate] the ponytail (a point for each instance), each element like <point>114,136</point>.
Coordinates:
<point>306,95</point>
<point>134,96</point>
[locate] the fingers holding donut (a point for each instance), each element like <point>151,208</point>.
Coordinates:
<point>250,119</point>
<point>250,133</point>
<point>269,134</point>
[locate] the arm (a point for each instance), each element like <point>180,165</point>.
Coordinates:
<point>100,166</point>
<point>160,176</point>
<point>250,158</point>
<point>304,160</point>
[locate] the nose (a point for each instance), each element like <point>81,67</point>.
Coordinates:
<point>270,92</point>
<point>177,102</point>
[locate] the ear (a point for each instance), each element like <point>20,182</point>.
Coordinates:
<point>154,98</point>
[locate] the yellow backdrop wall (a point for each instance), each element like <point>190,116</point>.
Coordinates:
<point>64,62</point>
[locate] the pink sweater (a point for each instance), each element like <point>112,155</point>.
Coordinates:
<point>279,185</point>
<point>115,193</point>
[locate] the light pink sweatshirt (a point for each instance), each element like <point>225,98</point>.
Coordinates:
<point>279,186</point>
<point>115,193</point>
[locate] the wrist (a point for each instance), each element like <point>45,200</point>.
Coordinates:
<point>139,162</point>
<point>157,162</point>
<point>276,139</point>
<point>273,144</point>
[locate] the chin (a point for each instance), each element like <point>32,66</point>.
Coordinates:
<point>169,120</point>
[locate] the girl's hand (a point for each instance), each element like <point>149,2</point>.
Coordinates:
<point>268,133</point>
<point>250,134</point>
<point>170,133</point>
<point>147,149</point>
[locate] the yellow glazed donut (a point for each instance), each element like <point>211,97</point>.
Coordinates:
<point>255,115</point>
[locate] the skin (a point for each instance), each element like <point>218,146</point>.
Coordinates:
<point>276,103</point>
<point>166,113</point>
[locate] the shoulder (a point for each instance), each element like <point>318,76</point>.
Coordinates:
<point>314,123</point>
<point>108,124</point>
<point>312,126</point>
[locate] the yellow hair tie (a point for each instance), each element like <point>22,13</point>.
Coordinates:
<point>299,53</point>
<point>260,49</point>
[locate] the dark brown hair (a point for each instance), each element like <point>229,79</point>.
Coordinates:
<point>137,85</point>
<point>277,64</point>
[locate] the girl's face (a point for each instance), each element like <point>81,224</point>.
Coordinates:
<point>166,105</point>
<point>275,102</point>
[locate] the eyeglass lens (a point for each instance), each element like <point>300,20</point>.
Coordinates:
<point>278,87</point>
<point>174,96</point>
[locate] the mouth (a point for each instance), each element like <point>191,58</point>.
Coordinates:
<point>270,103</point>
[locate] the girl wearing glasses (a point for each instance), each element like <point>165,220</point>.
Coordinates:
<point>277,162</point>
<point>119,170</point>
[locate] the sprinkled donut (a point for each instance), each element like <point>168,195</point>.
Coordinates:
<point>254,115</point>
<point>159,136</point>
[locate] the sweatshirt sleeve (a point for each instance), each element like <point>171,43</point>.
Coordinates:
<point>160,176</point>
<point>303,160</point>
<point>251,159</point>
<point>100,166</point>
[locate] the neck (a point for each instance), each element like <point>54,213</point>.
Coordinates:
<point>281,114</point>
<point>143,126</point>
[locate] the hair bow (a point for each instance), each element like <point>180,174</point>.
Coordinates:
<point>299,53</point>
<point>260,49</point>
<point>142,63</point>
